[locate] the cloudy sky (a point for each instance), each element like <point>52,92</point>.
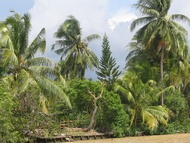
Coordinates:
<point>112,17</point>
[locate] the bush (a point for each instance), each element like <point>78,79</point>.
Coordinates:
<point>177,104</point>
<point>178,127</point>
<point>112,117</point>
<point>8,132</point>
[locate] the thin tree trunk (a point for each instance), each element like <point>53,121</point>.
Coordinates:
<point>162,73</point>
<point>92,122</point>
<point>93,118</point>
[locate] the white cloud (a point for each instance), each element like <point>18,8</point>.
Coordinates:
<point>93,17</point>
<point>51,13</point>
<point>123,15</point>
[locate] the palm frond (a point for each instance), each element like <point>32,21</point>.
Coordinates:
<point>170,88</point>
<point>5,40</point>
<point>125,94</point>
<point>8,81</point>
<point>24,33</point>
<point>24,81</point>
<point>37,45</point>
<point>142,20</point>
<point>8,57</point>
<point>160,113</point>
<point>50,89</point>
<point>180,17</point>
<point>43,103</point>
<point>40,61</point>
<point>91,37</point>
<point>44,71</point>
<point>133,114</point>
<point>150,120</point>
<point>147,10</point>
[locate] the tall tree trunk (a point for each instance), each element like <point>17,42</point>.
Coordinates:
<point>95,99</point>
<point>162,73</point>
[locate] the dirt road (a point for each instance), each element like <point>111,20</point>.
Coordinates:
<point>176,138</point>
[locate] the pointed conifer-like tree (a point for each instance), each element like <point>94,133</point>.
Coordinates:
<point>108,70</point>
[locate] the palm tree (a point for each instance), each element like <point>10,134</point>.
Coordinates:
<point>139,97</point>
<point>160,33</point>
<point>24,69</point>
<point>79,56</point>
<point>141,62</point>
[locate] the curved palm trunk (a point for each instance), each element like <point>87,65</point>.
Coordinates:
<point>162,73</point>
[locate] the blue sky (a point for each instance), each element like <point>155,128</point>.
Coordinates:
<point>20,6</point>
<point>112,17</point>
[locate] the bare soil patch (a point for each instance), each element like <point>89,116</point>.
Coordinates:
<point>174,138</point>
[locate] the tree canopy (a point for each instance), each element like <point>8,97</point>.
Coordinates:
<point>108,70</point>
<point>23,68</point>
<point>161,35</point>
<point>79,56</point>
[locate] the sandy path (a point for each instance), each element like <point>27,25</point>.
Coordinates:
<point>176,138</point>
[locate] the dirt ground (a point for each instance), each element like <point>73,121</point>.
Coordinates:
<point>176,138</point>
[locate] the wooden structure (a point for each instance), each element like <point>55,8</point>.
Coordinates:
<point>38,139</point>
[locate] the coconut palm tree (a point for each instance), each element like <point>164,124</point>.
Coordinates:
<point>139,61</point>
<point>161,33</point>
<point>79,56</point>
<point>139,97</point>
<point>24,69</point>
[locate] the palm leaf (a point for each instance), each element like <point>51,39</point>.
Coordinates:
<point>37,45</point>
<point>91,37</point>
<point>147,10</point>
<point>181,17</point>
<point>50,89</point>
<point>142,20</point>
<point>40,61</point>
<point>5,40</point>
<point>150,120</point>
<point>8,57</point>
<point>23,80</point>
<point>44,71</point>
<point>44,102</point>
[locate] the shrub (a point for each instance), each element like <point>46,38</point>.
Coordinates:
<point>112,117</point>
<point>8,132</point>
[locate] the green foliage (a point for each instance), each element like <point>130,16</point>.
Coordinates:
<point>24,69</point>
<point>78,56</point>
<point>108,71</point>
<point>111,115</point>
<point>159,27</point>
<point>82,102</point>
<point>161,37</point>
<point>2,71</point>
<point>139,98</point>
<point>23,114</point>
<point>136,106</point>
<point>176,102</point>
<point>8,131</point>
<point>178,127</point>
<point>80,98</point>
